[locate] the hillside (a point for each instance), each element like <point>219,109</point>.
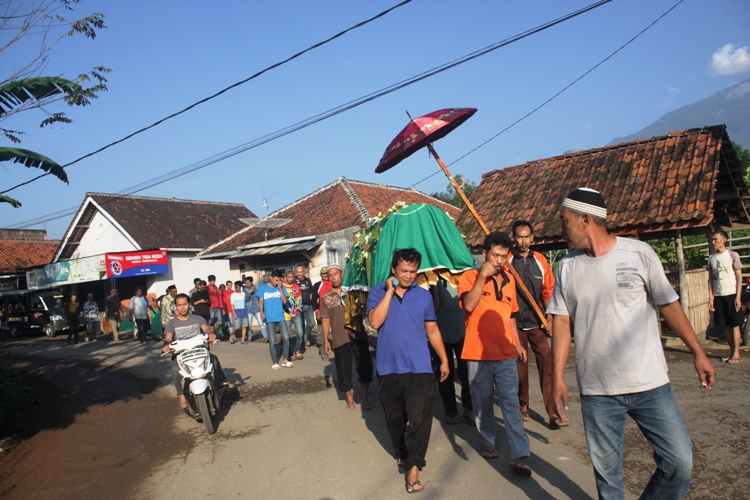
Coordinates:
<point>730,106</point>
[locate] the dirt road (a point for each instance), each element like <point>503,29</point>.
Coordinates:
<point>103,432</point>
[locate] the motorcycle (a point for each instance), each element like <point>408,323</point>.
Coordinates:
<point>199,382</point>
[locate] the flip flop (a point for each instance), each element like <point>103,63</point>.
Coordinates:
<point>725,360</point>
<point>557,422</point>
<point>525,416</point>
<point>414,487</point>
<point>519,467</point>
<point>489,452</point>
<point>734,361</point>
<point>453,420</point>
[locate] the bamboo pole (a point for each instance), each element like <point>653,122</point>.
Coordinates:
<point>537,310</point>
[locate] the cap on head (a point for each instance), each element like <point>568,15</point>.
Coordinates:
<point>586,201</point>
<point>333,266</point>
<point>324,270</point>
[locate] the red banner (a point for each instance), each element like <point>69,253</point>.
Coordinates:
<point>126,264</point>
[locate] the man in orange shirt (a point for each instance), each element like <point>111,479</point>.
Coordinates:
<point>491,348</point>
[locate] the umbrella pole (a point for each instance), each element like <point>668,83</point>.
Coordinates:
<point>542,317</point>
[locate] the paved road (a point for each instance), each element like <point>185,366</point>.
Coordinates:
<point>284,433</point>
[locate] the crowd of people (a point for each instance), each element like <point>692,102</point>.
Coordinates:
<point>607,290</point>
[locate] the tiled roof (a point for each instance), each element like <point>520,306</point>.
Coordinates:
<point>339,205</point>
<point>159,222</point>
<point>18,255</point>
<point>651,186</point>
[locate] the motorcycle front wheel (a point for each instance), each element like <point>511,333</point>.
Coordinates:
<point>208,422</point>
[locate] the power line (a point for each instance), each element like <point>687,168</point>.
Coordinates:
<point>217,94</point>
<point>554,96</point>
<point>322,116</point>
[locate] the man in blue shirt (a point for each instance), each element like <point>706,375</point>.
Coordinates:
<point>404,316</point>
<point>271,299</point>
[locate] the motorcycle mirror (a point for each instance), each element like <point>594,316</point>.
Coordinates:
<point>212,321</point>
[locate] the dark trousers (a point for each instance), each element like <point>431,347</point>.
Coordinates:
<point>447,388</point>
<point>143,325</point>
<point>408,398</point>
<point>543,354</point>
<point>357,350</point>
<point>74,327</point>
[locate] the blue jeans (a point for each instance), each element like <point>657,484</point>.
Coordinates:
<point>659,419</point>
<point>271,326</point>
<point>256,317</point>
<point>299,330</point>
<point>503,375</point>
<point>308,318</point>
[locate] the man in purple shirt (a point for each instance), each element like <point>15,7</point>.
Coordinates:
<point>404,316</point>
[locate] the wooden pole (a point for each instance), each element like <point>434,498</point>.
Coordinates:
<point>684,294</point>
<point>542,317</point>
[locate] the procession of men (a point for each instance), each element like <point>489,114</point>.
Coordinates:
<point>480,334</point>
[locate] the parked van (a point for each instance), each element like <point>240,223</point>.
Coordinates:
<point>38,312</point>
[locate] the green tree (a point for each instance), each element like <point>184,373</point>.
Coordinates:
<point>744,156</point>
<point>28,89</point>
<point>450,195</point>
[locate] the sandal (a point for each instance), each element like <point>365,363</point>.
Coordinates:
<point>557,422</point>
<point>182,402</point>
<point>453,420</point>
<point>414,487</point>
<point>519,467</point>
<point>400,463</point>
<point>525,415</point>
<point>299,355</point>
<point>489,452</point>
<point>734,361</point>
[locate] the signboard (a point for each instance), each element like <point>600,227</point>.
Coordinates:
<point>126,264</point>
<point>67,272</point>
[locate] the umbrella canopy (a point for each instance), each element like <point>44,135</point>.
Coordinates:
<point>421,226</point>
<point>421,131</point>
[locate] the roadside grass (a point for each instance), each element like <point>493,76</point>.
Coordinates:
<point>13,401</point>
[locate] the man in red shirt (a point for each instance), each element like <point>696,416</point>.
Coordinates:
<point>491,348</point>
<point>226,296</point>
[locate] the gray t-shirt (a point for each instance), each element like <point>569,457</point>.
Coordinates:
<point>186,329</point>
<point>611,301</point>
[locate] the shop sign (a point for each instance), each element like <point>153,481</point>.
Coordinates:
<point>126,264</point>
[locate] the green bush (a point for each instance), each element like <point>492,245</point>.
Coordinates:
<point>12,400</point>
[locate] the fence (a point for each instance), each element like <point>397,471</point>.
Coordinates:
<point>697,290</point>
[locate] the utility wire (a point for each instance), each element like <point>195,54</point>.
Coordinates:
<point>217,94</point>
<point>324,115</point>
<point>553,97</point>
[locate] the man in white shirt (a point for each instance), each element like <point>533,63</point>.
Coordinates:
<point>724,292</point>
<point>609,288</point>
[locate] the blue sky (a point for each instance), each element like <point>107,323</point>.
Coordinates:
<point>166,55</point>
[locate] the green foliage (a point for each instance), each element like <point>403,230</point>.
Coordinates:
<point>695,256</point>
<point>451,196</point>
<point>26,89</point>
<point>744,156</point>
<point>12,400</point>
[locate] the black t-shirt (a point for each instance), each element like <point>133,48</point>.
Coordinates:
<point>112,305</point>
<point>200,309</point>
<point>305,286</point>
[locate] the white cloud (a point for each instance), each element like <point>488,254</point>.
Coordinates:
<point>729,61</point>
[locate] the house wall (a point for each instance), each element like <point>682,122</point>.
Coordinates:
<point>102,237</point>
<point>183,268</point>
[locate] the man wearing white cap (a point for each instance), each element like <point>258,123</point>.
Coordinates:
<point>609,288</point>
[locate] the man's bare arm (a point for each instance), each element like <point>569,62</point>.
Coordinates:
<point>560,351</point>
<point>436,341</point>
<point>679,323</point>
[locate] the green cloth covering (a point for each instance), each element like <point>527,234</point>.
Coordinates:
<point>430,231</point>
